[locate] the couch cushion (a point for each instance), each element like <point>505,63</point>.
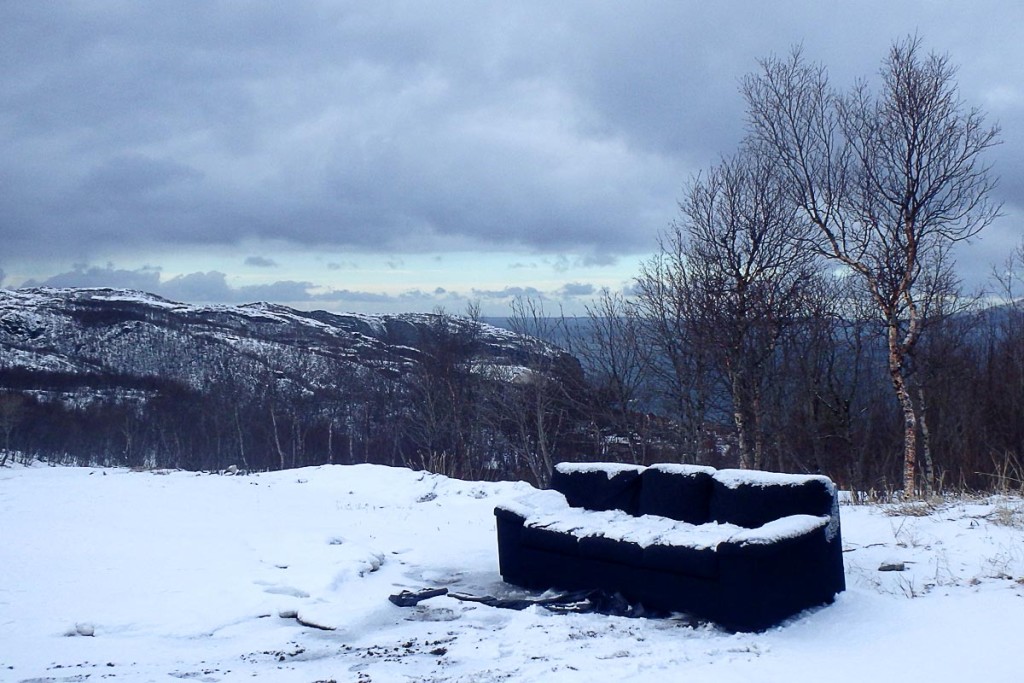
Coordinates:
<point>611,549</point>
<point>555,540</point>
<point>751,498</point>
<point>681,559</point>
<point>598,486</point>
<point>680,492</point>
<point>689,549</point>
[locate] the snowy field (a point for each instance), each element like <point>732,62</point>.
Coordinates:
<point>111,575</point>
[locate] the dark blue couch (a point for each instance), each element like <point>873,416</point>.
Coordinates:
<point>744,549</point>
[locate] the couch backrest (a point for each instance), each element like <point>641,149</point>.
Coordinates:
<point>680,492</point>
<point>598,486</point>
<point>694,494</point>
<point>750,498</point>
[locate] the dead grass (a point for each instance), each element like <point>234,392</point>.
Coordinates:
<point>918,508</point>
<point>1009,513</point>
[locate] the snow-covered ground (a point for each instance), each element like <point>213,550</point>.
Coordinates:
<point>184,576</point>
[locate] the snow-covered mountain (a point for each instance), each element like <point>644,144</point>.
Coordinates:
<point>87,339</point>
<point>124,377</point>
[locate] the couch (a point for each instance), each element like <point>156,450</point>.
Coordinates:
<point>743,549</point>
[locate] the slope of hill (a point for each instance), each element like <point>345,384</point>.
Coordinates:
<point>96,334</point>
<point>102,376</point>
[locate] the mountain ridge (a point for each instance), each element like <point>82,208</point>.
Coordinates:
<point>85,331</point>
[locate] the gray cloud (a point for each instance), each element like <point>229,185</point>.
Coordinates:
<point>214,287</point>
<point>598,260</point>
<point>385,127</point>
<point>508,293</point>
<point>260,262</point>
<point>211,286</point>
<point>350,296</point>
<point>572,289</point>
<point>84,275</point>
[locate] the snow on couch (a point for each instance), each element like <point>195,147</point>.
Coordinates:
<point>744,549</point>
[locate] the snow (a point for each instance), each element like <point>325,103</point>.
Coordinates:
<point>780,529</point>
<point>608,468</point>
<point>533,503</point>
<point>674,468</point>
<point>549,510</point>
<point>736,478</point>
<point>698,536</point>
<point>107,574</point>
<point>614,524</point>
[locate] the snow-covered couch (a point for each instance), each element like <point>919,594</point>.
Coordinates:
<point>744,549</point>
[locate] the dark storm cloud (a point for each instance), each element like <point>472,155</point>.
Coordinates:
<point>393,127</point>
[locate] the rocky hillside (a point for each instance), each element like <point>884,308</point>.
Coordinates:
<point>92,339</point>
<point>124,377</point>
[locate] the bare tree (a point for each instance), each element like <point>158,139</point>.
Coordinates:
<point>444,394</point>
<point>533,403</point>
<point>614,358</point>
<point>889,179</point>
<point>666,302</point>
<point>743,247</point>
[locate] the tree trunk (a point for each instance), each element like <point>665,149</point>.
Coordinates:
<point>330,441</point>
<point>899,383</point>
<point>241,441</point>
<point>758,432</point>
<point>544,476</point>
<point>277,439</point>
<point>739,419</point>
<point>928,475</point>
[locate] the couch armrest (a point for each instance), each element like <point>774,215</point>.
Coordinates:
<point>779,569</point>
<point>534,503</point>
<point>781,529</point>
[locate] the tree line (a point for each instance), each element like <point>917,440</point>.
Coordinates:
<point>652,384</point>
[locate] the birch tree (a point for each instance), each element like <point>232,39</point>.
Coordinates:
<point>890,180</point>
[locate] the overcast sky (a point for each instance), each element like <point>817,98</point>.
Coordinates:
<point>391,156</point>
